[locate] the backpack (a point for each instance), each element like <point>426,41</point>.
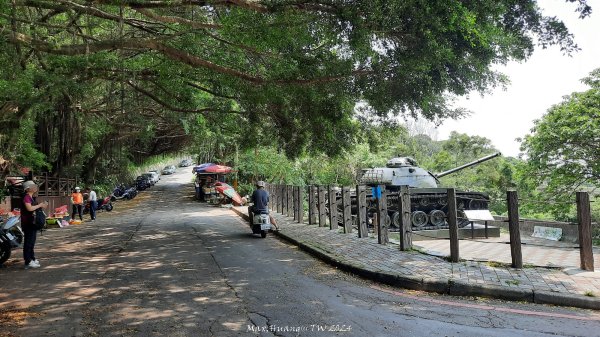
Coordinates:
<point>39,220</point>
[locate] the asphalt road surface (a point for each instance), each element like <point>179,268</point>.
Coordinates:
<point>165,265</point>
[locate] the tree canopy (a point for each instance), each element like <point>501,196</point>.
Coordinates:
<point>563,149</point>
<point>91,84</point>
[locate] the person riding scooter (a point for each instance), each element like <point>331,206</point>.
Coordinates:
<point>260,200</point>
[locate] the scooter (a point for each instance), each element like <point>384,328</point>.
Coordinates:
<point>119,191</point>
<point>130,193</point>
<point>261,223</point>
<point>11,237</point>
<point>106,203</point>
<point>103,205</point>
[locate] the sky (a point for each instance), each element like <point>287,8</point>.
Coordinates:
<point>536,84</point>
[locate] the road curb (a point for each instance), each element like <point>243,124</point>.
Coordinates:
<point>570,300</point>
<point>450,287</point>
<point>459,288</point>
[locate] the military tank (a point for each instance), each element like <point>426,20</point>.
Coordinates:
<point>428,201</point>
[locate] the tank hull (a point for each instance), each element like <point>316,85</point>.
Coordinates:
<point>429,207</point>
<point>433,202</point>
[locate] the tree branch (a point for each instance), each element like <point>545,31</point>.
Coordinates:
<point>212,92</point>
<point>168,51</point>
<point>175,19</point>
<point>63,5</point>
<point>165,104</point>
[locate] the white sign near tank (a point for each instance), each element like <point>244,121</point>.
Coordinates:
<point>548,233</point>
<point>478,214</point>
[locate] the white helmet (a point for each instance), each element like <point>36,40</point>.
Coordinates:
<point>28,184</point>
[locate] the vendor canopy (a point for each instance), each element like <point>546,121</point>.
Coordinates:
<point>211,168</point>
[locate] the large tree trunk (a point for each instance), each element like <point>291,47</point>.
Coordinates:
<point>67,131</point>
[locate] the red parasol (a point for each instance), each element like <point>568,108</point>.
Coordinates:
<point>218,169</point>
<point>211,168</point>
<point>228,191</point>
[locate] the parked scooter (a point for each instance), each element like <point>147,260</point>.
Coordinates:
<point>130,193</point>
<point>11,237</point>
<point>103,205</point>
<point>261,222</point>
<point>119,191</point>
<point>106,203</point>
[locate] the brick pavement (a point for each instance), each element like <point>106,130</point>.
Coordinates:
<point>367,254</point>
<point>535,251</point>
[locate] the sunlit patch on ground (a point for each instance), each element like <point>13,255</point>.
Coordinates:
<point>14,317</point>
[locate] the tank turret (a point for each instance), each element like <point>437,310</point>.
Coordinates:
<point>405,171</point>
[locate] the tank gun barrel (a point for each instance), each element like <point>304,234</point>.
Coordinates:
<point>478,161</point>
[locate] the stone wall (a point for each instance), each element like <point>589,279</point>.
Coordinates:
<point>570,233</point>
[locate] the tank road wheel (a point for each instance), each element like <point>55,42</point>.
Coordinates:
<point>437,217</point>
<point>418,218</point>
<point>395,220</point>
<point>477,204</point>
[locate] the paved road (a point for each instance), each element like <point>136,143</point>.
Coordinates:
<point>163,264</point>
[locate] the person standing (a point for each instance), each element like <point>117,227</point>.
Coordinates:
<point>77,201</point>
<point>93,199</point>
<point>27,225</point>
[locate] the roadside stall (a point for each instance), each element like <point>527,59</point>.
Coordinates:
<point>60,218</point>
<point>211,184</point>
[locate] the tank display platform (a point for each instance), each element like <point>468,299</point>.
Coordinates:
<point>478,231</point>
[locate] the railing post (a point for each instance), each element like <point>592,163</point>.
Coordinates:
<point>274,203</point>
<point>453,225</point>
<point>382,229</point>
<point>290,200</point>
<point>322,215</point>
<point>46,184</point>
<point>584,220</point>
<point>301,204</point>
<point>283,199</point>
<point>333,211</point>
<point>297,203</point>
<point>312,205</point>
<point>513,228</point>
<point>405,223</point>
<point>361,211</point>
<point>271,196</point>
<point>294,203</point>
<point>279,199</point>
<point>347,207</point>
<point>276,206</point>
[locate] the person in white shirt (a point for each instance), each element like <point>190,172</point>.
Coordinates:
<point>93,199</point>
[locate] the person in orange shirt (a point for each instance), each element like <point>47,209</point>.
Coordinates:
<point>77,201</point>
